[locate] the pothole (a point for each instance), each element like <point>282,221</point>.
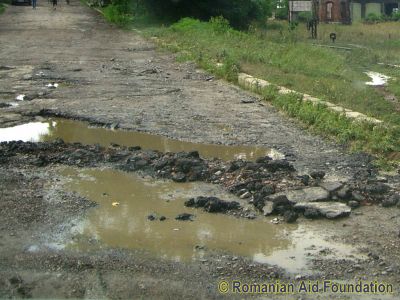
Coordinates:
<point>126,225</point>
<point>126,200</point>
<point>72,131</point>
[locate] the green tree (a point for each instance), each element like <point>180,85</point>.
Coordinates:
<point>240,13</point>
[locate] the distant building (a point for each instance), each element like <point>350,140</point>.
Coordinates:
<point>334,11</point>
<point>296,7</point>
<point>343,11</point>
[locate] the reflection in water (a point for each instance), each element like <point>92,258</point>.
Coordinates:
<point>127,225</point>
<point>31,132</point>
<point>76,131</point>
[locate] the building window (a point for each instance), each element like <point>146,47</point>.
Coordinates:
<point>329,7</point>
<point>343,11</point>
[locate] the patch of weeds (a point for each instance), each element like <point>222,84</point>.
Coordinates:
<point>2,8</point>
<point>118,14</point>
<point>359,136</point>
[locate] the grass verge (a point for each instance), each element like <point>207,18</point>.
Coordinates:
<point>382,140</point>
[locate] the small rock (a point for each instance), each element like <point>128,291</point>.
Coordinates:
<point>305,179</point>
<point>245,195</point>
<point>152,217</point>
<point>344,192</point>
<point>357,196</point>
<point>330,210</point>
<point>378,188</point>
<point>275,221</point>
<point>290,216</point>
<point>184,217</point>
<point>317,174</point>
<point>391,201</point>
<point>331,186</point>
<point>114,126</point>
<point>179,177</point>
<point>310,194</point>
<point>250,216</point>
<point>299,277</point>
<point>279,165</point>
<point>311,213</point>
<point>353,204</point>
<point>267,190</point>
<point>268,208</point>
<point>247,101</point>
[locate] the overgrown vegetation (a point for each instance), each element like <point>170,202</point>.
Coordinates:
<point>374,18</point>
<point>382,140</point>
<point>240,13</point>
<point>3,5</point>
<point>119,12</point>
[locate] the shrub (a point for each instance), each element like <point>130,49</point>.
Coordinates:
<point>372,18</point>
<point>219,24</point>
<point>304,16</point>
<point>395,16</point>
<point>239,13</point>
<point>118,13</point>
<point>281,13</point>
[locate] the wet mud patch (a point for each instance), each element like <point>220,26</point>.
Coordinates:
<point>72,131</point>
<point>128,225</point>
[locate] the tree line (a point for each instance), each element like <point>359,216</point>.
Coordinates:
<point>239,13</point>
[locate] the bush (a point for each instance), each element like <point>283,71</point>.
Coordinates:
<point>219,24</point>
<point>395,16</point>
<point>282,13</point>
<point>372,18</point>
<point>304,16</point>
<point>118,13</point>
<point>185,24</point>
<point>239,13</point>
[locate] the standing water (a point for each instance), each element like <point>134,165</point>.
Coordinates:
<point>75,131</point>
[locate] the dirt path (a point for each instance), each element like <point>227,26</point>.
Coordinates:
<point>110,76</point>
<point>113,76</point>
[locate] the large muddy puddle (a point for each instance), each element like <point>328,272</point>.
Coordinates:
<point>75,131</point>
<point>126,200</point>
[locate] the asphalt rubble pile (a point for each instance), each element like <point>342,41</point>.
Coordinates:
<point>273,187</point>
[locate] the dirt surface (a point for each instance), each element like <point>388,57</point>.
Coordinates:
<point>116,78</point>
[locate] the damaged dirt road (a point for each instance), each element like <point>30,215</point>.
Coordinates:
<point>71,225</point>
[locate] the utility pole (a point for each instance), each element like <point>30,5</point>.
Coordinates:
<point>313,23</point>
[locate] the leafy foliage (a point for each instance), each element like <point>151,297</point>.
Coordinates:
<point>239,13</point>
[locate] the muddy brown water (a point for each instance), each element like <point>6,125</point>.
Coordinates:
<point>126,224</point>
<point>125,200</point>
<point>76,131</point>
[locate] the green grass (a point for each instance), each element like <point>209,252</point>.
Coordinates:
<point>359,136</point>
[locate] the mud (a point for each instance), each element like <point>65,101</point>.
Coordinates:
<point>72,131</point>
<point>104,77</point>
